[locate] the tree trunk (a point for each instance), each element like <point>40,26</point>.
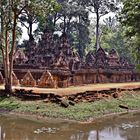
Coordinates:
<point>54,21</point>
<point>97,43</point>
<point>30,31</point>
<point>64,28</point>
<point>138,56</point>
<point>98,137</point>
<point>6,61</point>
<point>80,47</point>
<point>8,88</point>
<point>9,84</point>
<point>6,64</point>
<point>5,53</point>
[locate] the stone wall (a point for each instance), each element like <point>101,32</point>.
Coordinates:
<point>62,79</point>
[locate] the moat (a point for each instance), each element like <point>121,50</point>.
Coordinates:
<point>122,127</point>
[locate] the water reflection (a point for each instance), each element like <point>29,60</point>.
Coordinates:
<point>119,128</point>
<point>105,134</point>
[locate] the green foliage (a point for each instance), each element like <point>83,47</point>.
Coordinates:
<point>138,67</point>
<point>129,18</point>
<point>37,11</point>
<point>99,8</point>
<point>114,38</point>
<point>72,19</point>
<point>8,103</point>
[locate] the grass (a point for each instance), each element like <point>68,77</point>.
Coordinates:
<point>8,103</point>
<point>80,112</point>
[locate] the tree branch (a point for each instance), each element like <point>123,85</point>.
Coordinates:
<point>24,24</point>
<point>21,10</point>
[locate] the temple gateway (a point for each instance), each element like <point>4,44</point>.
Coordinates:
<point>52,63</point>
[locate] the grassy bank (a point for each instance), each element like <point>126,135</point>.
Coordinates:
<point>81,111</point>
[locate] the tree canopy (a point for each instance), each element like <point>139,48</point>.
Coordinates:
<point>130,19</point>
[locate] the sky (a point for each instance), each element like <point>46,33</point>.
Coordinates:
<point>24,34</point>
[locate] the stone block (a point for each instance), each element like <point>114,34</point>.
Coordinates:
<point>28,80</point>
<point>47,80</point>
<point>63,83</point>
<point>15,81</point>
<point>78,80</point>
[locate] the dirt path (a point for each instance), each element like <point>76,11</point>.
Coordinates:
<point>83,88</point>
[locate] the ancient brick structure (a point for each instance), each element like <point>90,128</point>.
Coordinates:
<point>20,57</point>
<point>100,59</point>
<point>113,59</point>
<point>52,63</point>
<point>15,81</point>
<point>47,80</point>
<point>49,53</point>
<point>28,80</point>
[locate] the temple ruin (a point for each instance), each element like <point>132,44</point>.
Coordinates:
<point>52,63</point>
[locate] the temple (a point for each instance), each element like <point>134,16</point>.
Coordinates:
<point>52,63</point>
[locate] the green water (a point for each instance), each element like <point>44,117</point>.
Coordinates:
<point>124,127</point>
